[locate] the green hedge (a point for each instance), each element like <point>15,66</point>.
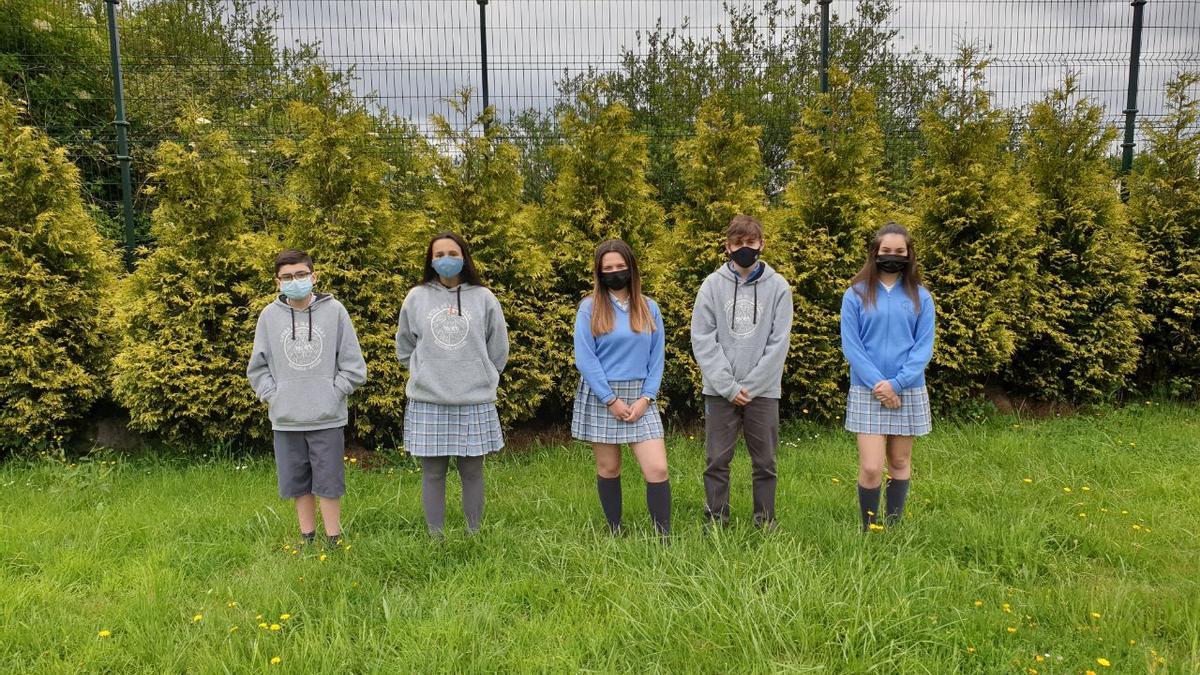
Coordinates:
<point>1036,265</point>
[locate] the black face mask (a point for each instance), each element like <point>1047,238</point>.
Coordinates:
<point>615,281</point>
<point>745,256</point>
<point>891,264</point>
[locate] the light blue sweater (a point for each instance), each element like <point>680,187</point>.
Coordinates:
<point>888,341</point>
<point>619,355</point>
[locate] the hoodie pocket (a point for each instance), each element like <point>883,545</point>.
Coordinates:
<point>306,401</point>
<point>457,380</point>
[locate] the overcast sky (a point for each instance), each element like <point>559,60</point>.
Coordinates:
<point>412,52</point>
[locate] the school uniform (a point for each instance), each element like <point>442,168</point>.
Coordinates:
<point>304,365</point>
<point>623,364</point>
<point>890,341</point>
<point>740,333</point>
<point>454,342</point>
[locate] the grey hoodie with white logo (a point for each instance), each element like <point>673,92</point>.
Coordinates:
<point>305,363</point>
<point>454,342</point>
<point>741,329</point>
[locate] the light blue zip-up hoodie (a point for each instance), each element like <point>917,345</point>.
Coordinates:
<point>889,341</point>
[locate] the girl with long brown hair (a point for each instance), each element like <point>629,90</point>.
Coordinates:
<point>619,350</point>
<point>887,337</point>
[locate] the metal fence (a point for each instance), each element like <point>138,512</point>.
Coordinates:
<point>407,56</point>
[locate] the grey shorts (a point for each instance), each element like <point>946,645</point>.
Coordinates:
<point>310,463</point>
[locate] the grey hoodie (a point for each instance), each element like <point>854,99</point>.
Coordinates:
<point>305,363</point>
<point>454,342</point>
<point>743,344</point>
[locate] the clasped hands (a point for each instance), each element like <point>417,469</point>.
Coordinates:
<point>629,412</point>
<point>885,394</point>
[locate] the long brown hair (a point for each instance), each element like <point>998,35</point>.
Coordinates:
<point>866,282</point>
<point>602,312</point>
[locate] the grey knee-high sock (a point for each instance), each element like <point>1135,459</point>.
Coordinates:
<point>658,502</point>
<point>470,470</point>
<point>896,493</point>
<point>609,490</point>
<point>433,491</point>
<point>868,505</point>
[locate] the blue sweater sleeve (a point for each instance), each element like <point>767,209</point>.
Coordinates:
<point>585,355</point>
<point>654,373</point>
<point>852,342</point>
<point>922,349</point>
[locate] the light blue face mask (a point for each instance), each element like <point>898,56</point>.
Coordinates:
<point>447,267</point>
<point>297,289</point>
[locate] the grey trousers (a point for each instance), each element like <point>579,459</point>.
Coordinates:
<point>723,423</point>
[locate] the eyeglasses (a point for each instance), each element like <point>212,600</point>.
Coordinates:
<point>298,276</point>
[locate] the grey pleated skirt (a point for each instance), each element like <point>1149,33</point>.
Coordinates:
<point>865,415</point>
<point>436,430</point>
<point>593,422</point>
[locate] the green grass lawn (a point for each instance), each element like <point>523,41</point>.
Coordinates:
<point>1068,540</point>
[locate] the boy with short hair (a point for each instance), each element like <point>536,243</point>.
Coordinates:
<point>741,327</point>
<point>306,362</point>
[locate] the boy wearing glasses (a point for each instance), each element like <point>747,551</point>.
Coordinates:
<point>306,362</point>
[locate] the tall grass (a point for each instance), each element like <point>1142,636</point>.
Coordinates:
<point>997,568</point>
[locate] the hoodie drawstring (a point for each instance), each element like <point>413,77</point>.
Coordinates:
<point>733,307</point>
<point>310,316</point>
<point>293,313</point>
<point>733,312</point>
<point>460,299</point>
<point>755,304</point>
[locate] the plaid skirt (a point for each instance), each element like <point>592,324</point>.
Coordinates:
<point>865,415</point>
<point>592,422</point>
<point>436,430</point>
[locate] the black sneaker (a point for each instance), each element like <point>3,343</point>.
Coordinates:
<point>334,541</point>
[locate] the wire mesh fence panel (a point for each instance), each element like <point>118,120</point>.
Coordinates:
<point>402,59</point>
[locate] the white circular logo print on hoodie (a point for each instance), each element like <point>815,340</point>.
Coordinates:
<point>448,328</point>
<point>743,317</point>
<point>301,353</point>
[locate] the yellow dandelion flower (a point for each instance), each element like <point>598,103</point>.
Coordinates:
<point>1012,629</point>
<point>1103,510</point>
<point>970,650</point>
<point>233,629</point>
<point>1136,526</point>
<point>1006,607</point>
<point>276,661</point>
<point>105,633</point>
<point>284,617</point>
<point>1066,489</point>
<point>323,557</point>
<point>1103,661</point>
<point>1086,488</point>
<point>1132,643</point>
<point>804,410</point>
<point>345,458</point>
<point>197,618</point>
<point>1095,615</point>
<point>1039,658</point>
<point>258,618</point>
<point>1090,672</point>
<point>354,460</point>
<point>1028,480</point>
<point>835,481</point>
<point>875,527</point>
<point>1124,513</point>
<point>979,603</point>
<point>1082,514</point>
<point>275,626</point>
<point>1160,660</point>
<point>870,513</point>
<point>262,625</point>
<point>353,584</point>
<point>231,603</point>
<point>347,547</point>
<point>295,552</point>
<point>1033,671</point>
